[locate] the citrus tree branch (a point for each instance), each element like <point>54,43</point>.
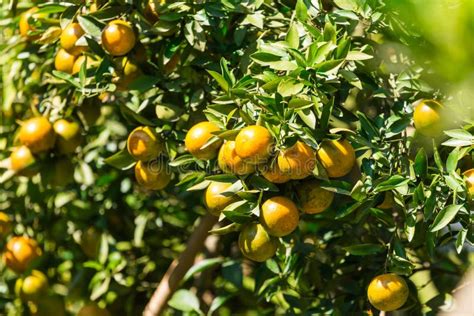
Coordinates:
<point>178,268</point>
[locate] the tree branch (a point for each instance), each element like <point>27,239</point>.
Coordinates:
<point>178,268</point>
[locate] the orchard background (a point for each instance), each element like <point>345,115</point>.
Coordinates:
<point>348,134</point>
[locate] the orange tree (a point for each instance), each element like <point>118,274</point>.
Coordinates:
<point>328,165</point>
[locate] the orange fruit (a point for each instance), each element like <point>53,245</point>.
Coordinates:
<point>214,199</point>
<point>37,134</point>
<point>6,225</point>
<point>127,72</point>
<point>256,244</point>
<point>279,216</point>
<point>20,252</point>
<point>152,9</point>
<point>143,144</point>
<point>198,136</point>
<point>387,292</point>
<point>76,67</point>
<point>152,175</point>
<point>21,158</point>
<point>69,37</point>
<point>427,118</point>
<point>118,38</point>
<point>32,287</point>
<point>229,162</point>
<point>254,144</point>
<point>93,310</point>
<point>388,202</point>
<point>313,198</point>
<point>469,175</point>
<point>90,242</point>
<point>298,161</point>
<point>337,157</point>
<point>63,61</point>
<point>24,25</point>
<point>68,136</point>
<point>274,174</point>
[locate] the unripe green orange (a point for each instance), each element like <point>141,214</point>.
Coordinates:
<point>279,216</point>
<point>37,134</point>
<point>20,252</point>
<point>68,136</point>
<point>229,162</point>
<point>118,38</point>
<point>32,287</point>
<point>254,144</point>
<point>69,37</point>
<point>256,244</point>
<point>63,61</point>
<point>6,225</point>
<point>427,118</point>
<point>198,136</point>
<point>298,161</point>
<point>313,198</point>
<point>387,292</point>
<point>143,144</point>
<point>152,175</point>
<point>93,310</point>
<point>214,199</point>
<point>337,157</point>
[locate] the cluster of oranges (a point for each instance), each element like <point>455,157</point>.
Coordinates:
<point>252,151</point>
<point>32,286</point>
<point>37,137</point>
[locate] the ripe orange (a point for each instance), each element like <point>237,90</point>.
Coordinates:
<point>20,252</point>
<point>5,225</point>
<point>118,38</point>
<point>90,242</point>
<point>24,25</point>
<point>469,175</point>
<point>198,136</point>
<point>229,162</point>
<point>152,175</point>
<point>63,61</point>
<point>93,310</point>
<point>32,287</point>
<point>337,157</point>
<point>37,134</point>
<point>427,118</point>
<point>298,161</point>
<point>254,144</point>
<point>279,216</point>
<point>76,67</point>
<point>387,292</point>
<point>69,37</point>
<point>313,198</point>
<point>143,144</point>
<point>21,158</point>
<point>68,136</point>
<point>256,244</point>
<point>214,200</point>
<point>273,173</point>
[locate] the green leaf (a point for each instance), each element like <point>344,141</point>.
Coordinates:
<point>421,163</point>
<point>444,217</point>
<point>218,302</point>
<point>143,83</point>
<point>130,114</point>
<point>262,184</point>
<point>351,78</point>
<point>202,266</point>
<point>289,87</point>
<point>460,239</point>
<point>329,33</point>
<point>90,25</point>
<point>121,160</point>
<point>460,134</point>
<point>354,55</point>
<point>301,11</point>
<point>220,80</point>
<point>437,157</point>
<point>184,300</point>
<point>364,249</point>
<point>392,183</point>
<point>292,37</point>
<point>452,160</point>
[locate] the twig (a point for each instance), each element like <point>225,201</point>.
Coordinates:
<point>178,268</point>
